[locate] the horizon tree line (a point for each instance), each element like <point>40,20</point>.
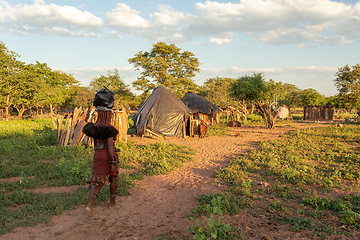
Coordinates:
<point>33,87</point>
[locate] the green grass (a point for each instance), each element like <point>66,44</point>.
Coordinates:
<point>312,174</point>
<point>28,152</point>
<point>217,130</point>
<point>156,159</point>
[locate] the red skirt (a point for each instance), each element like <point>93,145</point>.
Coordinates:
<point>102,167</point>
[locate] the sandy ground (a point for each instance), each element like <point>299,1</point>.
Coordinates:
<point>160,205</point>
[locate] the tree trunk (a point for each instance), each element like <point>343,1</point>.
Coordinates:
<point>52,115</point>
<point>6,113</point>
<point>7,108</point>
<point>20,110</point>
<point>265,112</point>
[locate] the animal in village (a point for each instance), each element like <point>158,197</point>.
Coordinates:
<point>234,124</point>
<point>202,128</point>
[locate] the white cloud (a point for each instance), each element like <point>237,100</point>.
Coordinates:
<point>222,38</point>
<point>116,34</point>
<point>304,23</point>
<point>47,18</point>
<point>59,31</point>
<point>167,16</point>
<point>124,16</point>
<point>280,21</point>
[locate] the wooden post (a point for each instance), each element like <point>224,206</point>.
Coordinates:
<point>58,133</point>
<point>184,129</point>
<point>74,121</point>
<point>155,134</point>
<point>78,132</point>
<point>64,132</point>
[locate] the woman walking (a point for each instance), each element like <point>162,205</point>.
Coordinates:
<point>105,160</point>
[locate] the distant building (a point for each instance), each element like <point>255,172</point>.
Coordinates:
<point>318,112</point>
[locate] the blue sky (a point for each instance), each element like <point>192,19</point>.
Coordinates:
<point>302,42</point>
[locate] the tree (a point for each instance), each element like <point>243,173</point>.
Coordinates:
<point>53,87</point>
<point>333,100</point>
<point>114,83</point>
<point>290,96</point>
<point>216,90</point>
<point>25,97</point>
<point>82,97</point>
<point>10,84</point>
<point>261,94</point>
<point>166,65</point>
<point>347,82</point>
<point>312,97</point>
<point>25,86</point>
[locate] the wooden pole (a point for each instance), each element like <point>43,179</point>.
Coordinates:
<point>59,125</point>
<point>155,134</point>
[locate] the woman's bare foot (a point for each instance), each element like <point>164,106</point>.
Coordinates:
<point>89,211</point>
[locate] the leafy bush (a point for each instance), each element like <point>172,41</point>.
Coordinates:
<point>214,229</point>
<point>217,130</point>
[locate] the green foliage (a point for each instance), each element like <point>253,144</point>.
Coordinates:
<point>24,86</point>
<point>25,209</point>
<point>290,96</point>
<point>299,224</point>
<point>80,97</point>
<point>222,203</point>
<point>312,97</point>
<point>297,170</point>
<point>217,130</point>
<point>214,229</point>
<point>25,128</point>
<point>159,158</point>
<point>156,159</point>
<point>217,91</point>
<point>277,206</point>
<point>253,119</point>
<point>347,207</point>
<point>260,93</point>
<point>347,82</point>
<point>166,65</point>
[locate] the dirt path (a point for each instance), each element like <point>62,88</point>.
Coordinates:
<point>160,205</point>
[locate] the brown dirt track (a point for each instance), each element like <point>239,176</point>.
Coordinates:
<point>160,205</point>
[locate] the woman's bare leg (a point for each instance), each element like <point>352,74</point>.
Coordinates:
<point>113,187</point>
<point>90,207</point>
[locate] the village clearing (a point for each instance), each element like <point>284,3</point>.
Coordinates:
<point>159,206</point>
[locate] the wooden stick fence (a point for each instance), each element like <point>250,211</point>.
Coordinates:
<point>71,133</point>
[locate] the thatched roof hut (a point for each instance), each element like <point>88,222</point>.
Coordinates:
<point>198,104</point>
<point>201,108</point>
